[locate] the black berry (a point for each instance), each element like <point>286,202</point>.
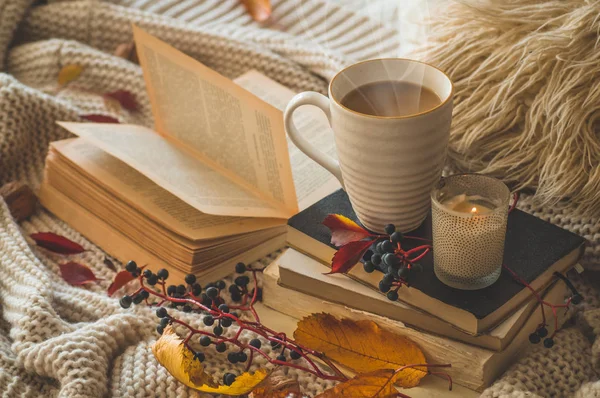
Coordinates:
<point>396,237</point>
<point>542,332</point>
<point>187,308</point>
<point>218,330</point>
<point>131,266</point>
<point>242,280</point>
<point>242,357</point>
<point>281,357</point>
<point>548,342</point>
<point>226,322</point>
<point>208,320</point>
<point>390,229</point>
<point>171,290</point>
<point>295,354</point>
<point>224,308</point>
<point>367,256</point>
<point>376,259</point>
<point>199,356</point>
<point>275,344</point>
<point>391,260</point>
<point>162,273</point>
<point>205,341</point>
<point>196,289</point>
<point>181,289</point>
<point>206,301</point>
<point>212,292</point>
<point>388,279</point>
<point>255,343</point>
<point>417,267</point>
<point>369,267</point>
<point>232,357</point>
<point>190,279</point>
<point>164,322</point>
<point>577,299</point>
<point>125,301</point>
<point>138,298</point>
<point>534,338</point>
<point>147,273</point>
<point>383,287</point>
<point>220,347</point>
<point>228,379</point>
<point>220,285</point>
<point>387,246</point>
<point>236,296</point>
<point>152,280</point>
<point>161,312</point>
<point>240,268</point>
<point>403,272</point>
<point>160,329</point>
<point>392,295</point>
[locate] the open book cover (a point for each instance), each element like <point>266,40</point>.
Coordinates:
<point>214,179</point>
<point>534,249</point>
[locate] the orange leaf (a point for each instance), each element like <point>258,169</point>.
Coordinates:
<point>121,279</point>
<point>376,384</point>
<point>277,386</point>
<point>260,10</point>
<point>76,274</point>
<point>348,256</point>
<point>171,353</point>
<point>344,230</point>
<point>68,73</point>
<point>362,346</point>
<point>56,243</point>
<point>124,98</point>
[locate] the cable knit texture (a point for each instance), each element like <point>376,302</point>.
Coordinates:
<point>62,341</point>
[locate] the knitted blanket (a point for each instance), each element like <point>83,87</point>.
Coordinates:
<point>59,340</point>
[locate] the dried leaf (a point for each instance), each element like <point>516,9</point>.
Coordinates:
<point>110,264</point>
<point>127,51</point>
<point>260,10</point>
<point>348,255</point>
<point>171,353</point>
<point>344,230</point>
<point>76,274</point>
<point>361,346</point>
<point>376,384</point>
<point>277,386</point>
<point>125,98</point>
<point>20,199</point>
<point>121,279</point>
<point>56,243</point>
<point>99,118</point>
<point>68,73</point>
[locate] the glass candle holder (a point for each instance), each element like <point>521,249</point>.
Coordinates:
<point>469,214</point>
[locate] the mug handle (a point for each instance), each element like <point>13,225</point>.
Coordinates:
<point>321,102</point>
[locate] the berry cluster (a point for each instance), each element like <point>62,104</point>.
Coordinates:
<point>397,265</point>
<point>208,303</point>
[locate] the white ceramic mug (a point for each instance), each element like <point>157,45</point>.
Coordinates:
<point>387,165</point>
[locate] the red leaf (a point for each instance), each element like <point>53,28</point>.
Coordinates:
<point>121,279</point>
<point>56,243</point>
<point>99,118</point>
<point>110,264</point>
<point>125,98</point>
<point>348,255</point>
<point>344,230</point>
<point>76,274</point>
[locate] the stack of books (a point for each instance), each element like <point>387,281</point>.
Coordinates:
<point>479,332</point>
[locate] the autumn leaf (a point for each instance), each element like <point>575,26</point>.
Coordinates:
<point>56,243</point>
<point>361,346</point>
<point>348,255</point>
<point>127,51</point>
<point>124,98</point>
<point>76,274</point>
<point>171,353</point>
<point>277,386</point>
<point>99,118</point>
<point>260,10</point>
<point>121,279</point>
<point>344,230</point>
<point>110,264</point>
<point>376,384</point>
<point>68,73</point>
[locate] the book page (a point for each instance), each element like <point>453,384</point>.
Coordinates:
<point>174,169</point>
<point>312,181</point>
<point>225,126</point>
<point>156,203</point>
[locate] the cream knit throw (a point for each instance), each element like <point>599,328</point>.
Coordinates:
<point>58,340</point>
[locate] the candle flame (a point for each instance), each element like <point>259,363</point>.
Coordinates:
<point>474,210</point>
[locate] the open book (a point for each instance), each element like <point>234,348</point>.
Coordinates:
<point>215,178</point>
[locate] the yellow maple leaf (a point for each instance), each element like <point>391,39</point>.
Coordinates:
<point>260,10</point>
<point>171,353</point>
<point>362,346</point>
<point>68,73</point>
<point>377,384</point>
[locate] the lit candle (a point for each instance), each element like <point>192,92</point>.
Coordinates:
<point>469,214</point>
